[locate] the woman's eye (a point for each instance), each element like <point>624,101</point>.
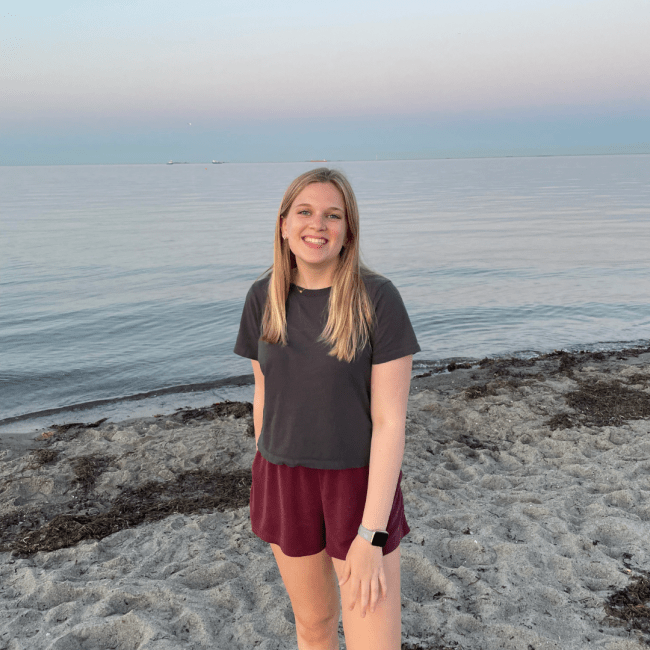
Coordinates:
<point>333,215</point>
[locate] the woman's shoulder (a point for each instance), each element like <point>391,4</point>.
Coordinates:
<point>374,282</point>
<point>262,281</point>
<point>259,289</point>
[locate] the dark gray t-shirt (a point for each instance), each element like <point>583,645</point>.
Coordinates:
<point>316,408</point>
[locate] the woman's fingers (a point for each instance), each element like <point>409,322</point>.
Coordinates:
<point>374,595</point>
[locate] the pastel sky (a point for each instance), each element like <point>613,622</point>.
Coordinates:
<point>142,81</point>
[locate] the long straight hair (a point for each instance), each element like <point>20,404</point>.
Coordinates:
<point>351,314</point>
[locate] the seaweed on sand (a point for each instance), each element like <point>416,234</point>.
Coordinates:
<point>68,431</point>
<point>562,421</point>
<point>27,530</point>
<point>77,425</point>
<point>492,387</point>
<point>630,607</point>
<point>600,403</point>
<point>42,457</point>
<point>191,492</point>
<point>88,468</point>
<point>218,409</point>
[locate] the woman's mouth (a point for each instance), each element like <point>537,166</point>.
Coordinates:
<point>315,242</point>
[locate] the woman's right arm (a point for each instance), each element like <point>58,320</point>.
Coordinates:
<point>258,400</point>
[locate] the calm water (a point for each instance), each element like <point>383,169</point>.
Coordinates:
<point>119,280</point>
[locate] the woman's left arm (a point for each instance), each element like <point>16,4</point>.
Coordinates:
<point>389,391</point>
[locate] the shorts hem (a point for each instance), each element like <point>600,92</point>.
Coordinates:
<point>301,554</point>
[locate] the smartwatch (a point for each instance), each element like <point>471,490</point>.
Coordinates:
<point>375,537</point>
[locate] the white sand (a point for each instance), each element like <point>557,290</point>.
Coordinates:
<point>514,546</point>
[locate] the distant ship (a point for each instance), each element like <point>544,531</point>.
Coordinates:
<point>171,162</point>
<point>318,161</point>
<point>217,162</point>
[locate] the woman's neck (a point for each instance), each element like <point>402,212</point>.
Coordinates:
<point>312,282</point>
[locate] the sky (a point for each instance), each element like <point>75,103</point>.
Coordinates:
<point>147,81</point>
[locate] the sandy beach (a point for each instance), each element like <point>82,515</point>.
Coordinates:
<point>526,486</point>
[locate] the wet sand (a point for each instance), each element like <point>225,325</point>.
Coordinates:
<point>526,486</point>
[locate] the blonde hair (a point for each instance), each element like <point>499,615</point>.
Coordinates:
<point>351,313</point>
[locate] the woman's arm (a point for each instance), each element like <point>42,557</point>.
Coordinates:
<point>258,400</point>
<point>389,392</point>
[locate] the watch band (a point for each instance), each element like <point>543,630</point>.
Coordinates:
<point>375,537</point>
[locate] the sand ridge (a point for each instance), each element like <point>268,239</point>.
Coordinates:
<point>526,486</point>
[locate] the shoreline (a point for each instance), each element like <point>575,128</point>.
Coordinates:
<point>231,384</point>
<point>526,485</point>
<point>236,380</point>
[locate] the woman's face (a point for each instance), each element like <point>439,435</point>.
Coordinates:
<point>316,228</point>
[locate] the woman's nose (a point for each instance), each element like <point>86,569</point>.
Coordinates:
<point>319,221</point>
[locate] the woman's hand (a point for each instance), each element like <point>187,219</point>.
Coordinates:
<point>364,567</point>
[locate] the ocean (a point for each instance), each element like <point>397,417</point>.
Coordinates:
<point>121,286</point>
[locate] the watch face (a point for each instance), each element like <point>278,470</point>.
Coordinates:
<point>380,539</point>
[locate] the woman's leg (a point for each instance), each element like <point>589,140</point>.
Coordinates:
<point>312,586</point>
<point>381,629</point>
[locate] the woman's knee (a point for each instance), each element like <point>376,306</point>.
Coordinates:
<point>312,586</point>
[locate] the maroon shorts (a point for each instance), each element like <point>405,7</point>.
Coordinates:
<point>305,510</point>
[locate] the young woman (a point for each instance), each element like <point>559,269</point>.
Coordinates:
<point>331,345</point>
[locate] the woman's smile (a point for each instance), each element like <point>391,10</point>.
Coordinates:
<point>314,242</point>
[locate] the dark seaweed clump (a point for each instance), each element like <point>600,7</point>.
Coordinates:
<point>217,410</point>
<point>504,366</point>
<point>562,421</point>
<point>491,387</point>
<point>458,366</point>
<point>474,443</point>
<point>191,492</point>
<point>62,428</point>
<point>601,403</point>
<point>42,457</point>
<point>88,468</point>
<point>480,390</point>
<point>630,607</point>
<point>68,431</point>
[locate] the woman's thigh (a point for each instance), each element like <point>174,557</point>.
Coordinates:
<point>381,629</point>
<point>312,585</point>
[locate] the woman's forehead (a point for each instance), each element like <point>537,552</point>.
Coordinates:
<point>321,192</point>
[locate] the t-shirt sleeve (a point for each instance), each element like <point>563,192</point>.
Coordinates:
<point>394,336</point>
<point>249,326</point>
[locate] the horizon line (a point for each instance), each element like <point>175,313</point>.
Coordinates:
<point>339,160</point>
